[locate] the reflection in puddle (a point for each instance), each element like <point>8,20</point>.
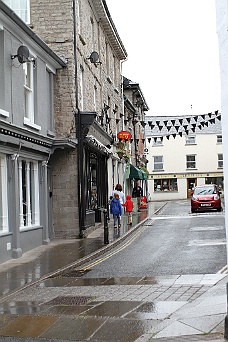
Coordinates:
<point>71,281</point>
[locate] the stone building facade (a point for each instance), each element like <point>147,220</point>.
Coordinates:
<point>88,108</point>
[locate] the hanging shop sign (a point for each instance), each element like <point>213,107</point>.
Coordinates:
<point>124,135</point>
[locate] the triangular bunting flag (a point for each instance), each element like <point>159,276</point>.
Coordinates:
<point>149,140</point>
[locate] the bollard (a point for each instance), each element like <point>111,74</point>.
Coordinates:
<point>108,213</point>
<point>106,241</point>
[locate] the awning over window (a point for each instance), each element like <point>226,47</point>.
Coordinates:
<point>144,174</point>
<point>136,173</point>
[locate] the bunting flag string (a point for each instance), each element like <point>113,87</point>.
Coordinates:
<point>184,125</point>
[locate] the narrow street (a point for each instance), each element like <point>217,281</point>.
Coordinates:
<point>171,242</point>
<point>162,281</point>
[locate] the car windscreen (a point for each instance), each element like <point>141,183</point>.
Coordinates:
<point>205,191</point>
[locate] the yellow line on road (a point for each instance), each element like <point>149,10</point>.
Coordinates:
<point>223,270</point>
<point>112,253</point>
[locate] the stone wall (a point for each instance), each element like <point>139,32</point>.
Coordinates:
<point>53,21</point>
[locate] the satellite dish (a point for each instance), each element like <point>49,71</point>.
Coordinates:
<point>23,54</point>
<point>94,57</point>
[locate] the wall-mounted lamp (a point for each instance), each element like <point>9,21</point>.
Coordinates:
<point>94,58</point>
<point>23,55</point>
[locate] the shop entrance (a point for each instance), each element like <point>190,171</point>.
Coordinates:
<point>191,183</point>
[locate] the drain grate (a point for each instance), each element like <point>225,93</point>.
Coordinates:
<point>68,300</point>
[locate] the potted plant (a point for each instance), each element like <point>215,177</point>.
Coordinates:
<point>122,150</point>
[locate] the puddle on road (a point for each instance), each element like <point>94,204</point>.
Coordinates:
<point>71,281</point>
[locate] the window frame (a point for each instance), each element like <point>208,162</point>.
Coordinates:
<point>19,11</point>
<point>28,173</point>
<point>190,140</point>
<point>219,139</point>
<point>156,163</point>
<point>29,95</point>
<point>4,224</point>
<point>190,161</point>
<point>220,161</point>
<point>165,185</point>
<point>158,141</point>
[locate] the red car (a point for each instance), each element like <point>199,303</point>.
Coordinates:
<point>206,197</point>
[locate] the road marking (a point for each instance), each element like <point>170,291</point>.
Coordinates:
<point>207,228</point>
<point>184,216</point>
<point>223,270</point>
<point>100,260</point>
<point>207,242</point>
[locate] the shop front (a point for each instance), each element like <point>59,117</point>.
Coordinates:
<point>95,182</point>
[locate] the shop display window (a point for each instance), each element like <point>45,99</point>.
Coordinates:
<point>165,185</point>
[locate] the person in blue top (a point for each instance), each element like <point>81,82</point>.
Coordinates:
<point>116,211</point>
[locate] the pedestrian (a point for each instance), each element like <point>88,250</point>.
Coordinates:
<point>116,211</point>
<point>129,205</point>
<point>137,192</point>
<point>119,191</point>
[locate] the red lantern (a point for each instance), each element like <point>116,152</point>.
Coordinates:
<point>124,135</point>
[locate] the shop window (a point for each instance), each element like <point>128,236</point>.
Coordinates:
<point>3,196</point>
<point>29,194</point>
<point>215,180</point>
<point>191,161</point>
<point>165,185</point>
<point>93,204</point>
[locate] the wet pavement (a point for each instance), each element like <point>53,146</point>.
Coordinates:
<point>44,297</point>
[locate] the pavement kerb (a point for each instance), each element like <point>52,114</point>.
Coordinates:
<point>87,258</point>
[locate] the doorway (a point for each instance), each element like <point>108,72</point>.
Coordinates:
<point>191,183</point>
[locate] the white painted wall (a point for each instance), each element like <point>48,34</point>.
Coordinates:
<point>174,153</point>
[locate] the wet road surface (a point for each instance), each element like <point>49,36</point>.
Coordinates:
<point>68,307</point>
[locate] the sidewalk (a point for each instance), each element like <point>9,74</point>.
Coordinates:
<point>40,303</point>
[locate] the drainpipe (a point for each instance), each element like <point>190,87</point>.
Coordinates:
<point>78,125</point>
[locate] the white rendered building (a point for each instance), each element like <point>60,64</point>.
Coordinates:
<point>183,152</point>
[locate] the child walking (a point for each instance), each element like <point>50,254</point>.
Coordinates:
<point>116,211</point>
<point>129,205</point>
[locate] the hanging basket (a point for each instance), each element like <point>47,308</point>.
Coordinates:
<point>120,154</point>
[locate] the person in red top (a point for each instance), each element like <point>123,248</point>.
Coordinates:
<point>129,205</point>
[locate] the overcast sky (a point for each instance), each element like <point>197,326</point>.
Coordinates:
<point>172,53</point>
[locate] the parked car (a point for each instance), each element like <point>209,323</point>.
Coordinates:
<point>206,197</point>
